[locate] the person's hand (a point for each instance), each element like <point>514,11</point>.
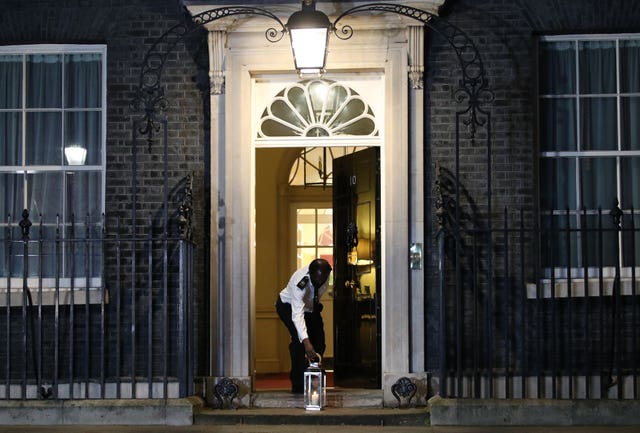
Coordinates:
<point>309,351</point>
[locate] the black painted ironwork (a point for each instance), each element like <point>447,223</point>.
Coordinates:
<point>566,332</point>
<point>473,86</point>
<point>95,323</point>
<point>404,389</point>
<point>150,97</point>
<point>186,210</point>
<point>225,392</point>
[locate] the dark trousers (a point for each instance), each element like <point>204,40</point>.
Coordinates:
<point>315,329</point>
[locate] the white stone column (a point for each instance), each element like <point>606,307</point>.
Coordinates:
<point>416,169</point>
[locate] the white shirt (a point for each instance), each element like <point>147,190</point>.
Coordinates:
<point>301,300</point>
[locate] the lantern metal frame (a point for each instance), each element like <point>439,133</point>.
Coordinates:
<point>315,393</point>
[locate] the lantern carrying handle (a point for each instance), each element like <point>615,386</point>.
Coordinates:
<point>319,360</point>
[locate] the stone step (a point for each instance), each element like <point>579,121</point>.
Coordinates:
<point>336,398</point>
<point>327,416</point>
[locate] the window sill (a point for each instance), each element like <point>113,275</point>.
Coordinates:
<point>578,287</point>
<point>46,287</point>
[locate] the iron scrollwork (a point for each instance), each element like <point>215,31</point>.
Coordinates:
<point>185,210</point>
<point>473,87</point>
<point>404,388</point>
<point>225,391</point>
<point>150,98</point>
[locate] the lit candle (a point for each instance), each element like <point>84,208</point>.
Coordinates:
<point>314,398</point>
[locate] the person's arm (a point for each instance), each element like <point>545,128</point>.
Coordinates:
<point>297,317</point>
<point>309,349</point>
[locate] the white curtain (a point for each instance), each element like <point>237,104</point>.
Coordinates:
<point>63,100</point>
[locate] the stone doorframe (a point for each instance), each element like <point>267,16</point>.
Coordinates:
<point>246,54</point>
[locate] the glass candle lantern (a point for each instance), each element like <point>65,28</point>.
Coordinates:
<point>314,386</point>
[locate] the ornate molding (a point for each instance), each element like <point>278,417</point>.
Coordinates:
<point>404,388</point>
<point>416,56</point>
<point>216,42</point>
<point>225,391</point>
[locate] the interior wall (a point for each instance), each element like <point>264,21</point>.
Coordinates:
<point>275,254</point>
<point>272,256</point>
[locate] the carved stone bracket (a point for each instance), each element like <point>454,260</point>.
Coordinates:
<point>416,56</point>
<point>216,40</point>
<point>404,389</point>
<point>225,391</point>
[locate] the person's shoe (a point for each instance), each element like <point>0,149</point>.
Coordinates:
<point>297,390</point>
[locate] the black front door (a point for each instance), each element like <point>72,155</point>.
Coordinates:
<point>356,225</point>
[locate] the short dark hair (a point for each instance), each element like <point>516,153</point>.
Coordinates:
<point>319,265</point>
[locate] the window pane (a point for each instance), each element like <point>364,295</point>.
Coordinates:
<point>557,68</point>
<point>598,184</point>
<point>84,129</point>
<point>305,256</point>
<point>598,124</point>
<point>630,123</point>
<point>558,183</point>
<point>10,139</point>
<point>42,253</point>
<point>297,97</point>
<point>559,241</point>
<point>630,66</point>
<point>601,248</point>
<point>306,227</point>
<point>558,125</point>
<point>44,195</point>
<point>82,258</point>
<point>630,183</point>
<point>597,67</point>
<point>11,201</point>
<point>10,81</point>
<point>10,261</point>
<point>83,80</point>
<point>44,134</point>
<point>631,244</point>
<point>327,254</point>
<point>84,195</point>
<point>44,81</point>
<point>325,227</point>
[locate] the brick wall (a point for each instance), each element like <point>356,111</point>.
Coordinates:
<point>129,28</point>
<point>504,32</point>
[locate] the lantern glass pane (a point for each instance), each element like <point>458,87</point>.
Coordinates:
<point>309,48</point>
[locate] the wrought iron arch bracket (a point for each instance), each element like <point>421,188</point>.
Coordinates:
<point>150,99</point>
<point>473,86</point>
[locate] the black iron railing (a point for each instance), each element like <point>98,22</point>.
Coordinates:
<point>93,311</point>
<point>549,312</point>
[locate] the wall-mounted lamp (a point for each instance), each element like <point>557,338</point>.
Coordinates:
<point>75,154</point>
<point>309,32</point>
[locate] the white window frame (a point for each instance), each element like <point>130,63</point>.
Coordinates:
<point>48,285</point>
<point>560,275</point>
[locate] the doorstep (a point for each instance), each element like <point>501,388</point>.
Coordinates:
<point>327,416</point>
<point>336,398</point>
<point>344,406</point>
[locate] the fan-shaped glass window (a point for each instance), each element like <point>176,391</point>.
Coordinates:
<point>317,108</point>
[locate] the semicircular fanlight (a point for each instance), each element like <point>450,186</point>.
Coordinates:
<point>317,108</point>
